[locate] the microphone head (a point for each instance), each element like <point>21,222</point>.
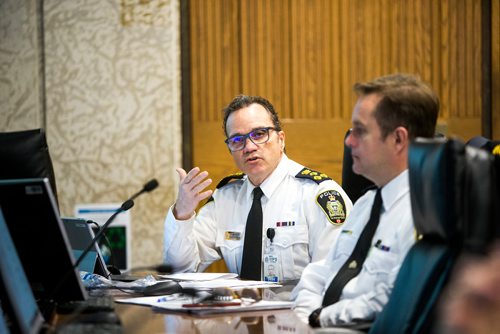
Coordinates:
<point>150,185</point>
<point>127,205</point>
<point>164,268</point>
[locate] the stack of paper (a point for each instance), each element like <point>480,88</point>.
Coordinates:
<point>208,281</point>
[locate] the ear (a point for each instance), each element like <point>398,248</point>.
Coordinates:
<point>401,138</point>
<point>281,139</point>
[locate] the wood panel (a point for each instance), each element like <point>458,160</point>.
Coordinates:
<point>305,56</point>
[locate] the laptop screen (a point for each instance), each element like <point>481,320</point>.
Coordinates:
<point>80,236</point>
<point>35,226</point>
<point>15,293</point>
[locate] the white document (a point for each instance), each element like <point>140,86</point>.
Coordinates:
<point>178,302</point>
<point>199,276</point>
<point>204,310</point>
<point>228,283</point>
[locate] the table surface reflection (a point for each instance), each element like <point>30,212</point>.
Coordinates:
<point>143,319</point>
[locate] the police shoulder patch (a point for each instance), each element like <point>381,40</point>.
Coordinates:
<point>310,174</point>
<point>229,178</point>
<point>333,205</point>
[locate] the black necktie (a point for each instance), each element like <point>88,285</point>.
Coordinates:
<point>252,248</point>
<point>354,263</point>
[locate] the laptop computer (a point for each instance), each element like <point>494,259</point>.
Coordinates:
<point>80,236</point>
<point>17,299</point>
<point>32,217</point>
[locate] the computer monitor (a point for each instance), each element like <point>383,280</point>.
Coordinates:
<point>16,297</point>
<point>40,238</point>
<point>80,236</point>
<point>25,155</point>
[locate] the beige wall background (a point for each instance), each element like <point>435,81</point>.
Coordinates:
<point>103,79</point>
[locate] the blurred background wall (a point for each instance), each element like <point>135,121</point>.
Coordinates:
<point>103,79</point>
<point>130,89</point>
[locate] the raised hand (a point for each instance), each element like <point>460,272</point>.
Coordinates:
<point>191,192</point>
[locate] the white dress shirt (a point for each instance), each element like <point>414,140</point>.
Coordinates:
<point>303,231</point>
<point>366,294</point>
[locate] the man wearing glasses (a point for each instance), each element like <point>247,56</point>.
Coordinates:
<point>267,222</point>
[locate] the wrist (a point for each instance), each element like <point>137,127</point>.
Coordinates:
<point>314,318</point>
<point>180,216</point>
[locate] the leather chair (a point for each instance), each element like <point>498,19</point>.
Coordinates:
<point>480,208</point>
<point>484,184</point>
<point>353,184</point>
<point>25,154</point>
<point>436,173</point>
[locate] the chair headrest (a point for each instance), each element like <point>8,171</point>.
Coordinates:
<point>492,146</point>
<point>25,154</point>
<point>436,167</point>
<point>480,194</point>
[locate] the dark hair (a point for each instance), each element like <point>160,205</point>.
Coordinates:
<point>406,101</point>
<point>242,101</point>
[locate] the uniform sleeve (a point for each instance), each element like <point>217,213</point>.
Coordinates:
<point>324,229</point>
<point>308,294</point>
<point>366,306</point>
<point>189,245</point>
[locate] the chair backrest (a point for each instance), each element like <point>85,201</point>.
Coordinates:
<point>487,189</point>
<point>353,184</point>
<point>481,201</point>
<point>436,169</point>
<point>25,154</point>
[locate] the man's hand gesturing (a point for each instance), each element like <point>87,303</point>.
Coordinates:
<point>191,192</point>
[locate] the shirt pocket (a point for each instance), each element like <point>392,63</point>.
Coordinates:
<point>345,244</point>
<point>378,267</point>
<point>230,247</point>
<point>292,242</point>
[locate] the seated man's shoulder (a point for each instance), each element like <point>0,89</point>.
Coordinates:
<point>232,179</point>
<point>328,195</point>
<point>226,183</point>
<point>312,175</point>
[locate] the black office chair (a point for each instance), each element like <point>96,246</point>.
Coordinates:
<point>25,154</point>
<point>484,183</point>
<point>481,201</point>
<point>353,184</point>
<point>436,172</point>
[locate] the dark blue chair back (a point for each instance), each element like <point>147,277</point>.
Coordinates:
<point>436,171</point>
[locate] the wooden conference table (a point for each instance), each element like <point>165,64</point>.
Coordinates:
<point>143,319</point>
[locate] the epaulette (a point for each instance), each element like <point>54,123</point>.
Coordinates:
<point>310,174</point>
<point>224,181</point>
<point>228,178</point>
<point>496,150</point>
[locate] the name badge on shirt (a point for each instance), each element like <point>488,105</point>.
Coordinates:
<point>272,263</point>
<point>229,235</point>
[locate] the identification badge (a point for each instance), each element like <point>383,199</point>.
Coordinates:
<point>272,263</point>
<point>232,235</point>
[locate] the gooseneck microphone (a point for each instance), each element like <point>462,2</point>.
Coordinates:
<point>162,268</point>
<point>149,186</point>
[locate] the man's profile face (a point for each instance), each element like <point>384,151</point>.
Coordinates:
<point>370,154</point>
<point>258,161</point>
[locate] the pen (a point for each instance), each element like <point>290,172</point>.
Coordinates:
<point>212,304</point>
<point>169,298</point>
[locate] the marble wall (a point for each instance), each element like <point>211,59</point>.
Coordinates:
<point>103,78</point>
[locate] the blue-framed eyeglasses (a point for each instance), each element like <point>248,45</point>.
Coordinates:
<point>257,136</point>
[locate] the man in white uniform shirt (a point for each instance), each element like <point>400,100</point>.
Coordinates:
<point>389,113</point>
<point>302,210</point>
